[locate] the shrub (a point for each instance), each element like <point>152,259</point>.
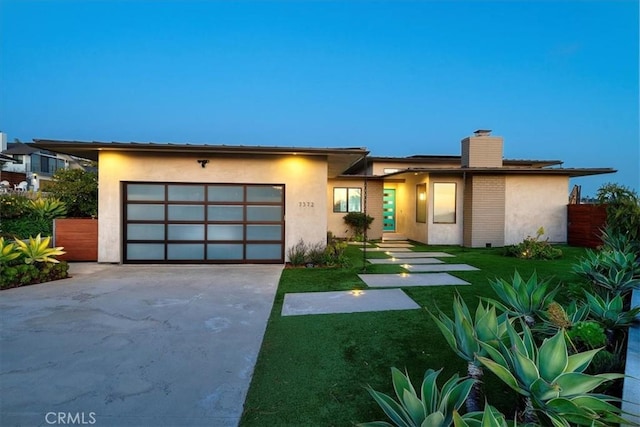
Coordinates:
<point>13,205</point>
<point>534,248</point>
<point>26,226</point>
<point>623,209</point>
<point>316,254</point>
<point>23,217</point>
<point>37,250</point>
<point>297,254</point>
<point>587,335</point>
<point>358,222</point>
<point>12,276</point>
<point>47,208</point>
<point>335,254</point>
<point>78,189</point>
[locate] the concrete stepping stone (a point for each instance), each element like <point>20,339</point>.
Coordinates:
<point>355,301</point>
<point>400,261</point>
<point>387,249</point>
<point>394,245</point>
<point>441,267</point>
<point>405,279</point>
<point>412,254</point>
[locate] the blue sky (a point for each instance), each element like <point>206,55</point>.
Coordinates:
<point>558,80</point>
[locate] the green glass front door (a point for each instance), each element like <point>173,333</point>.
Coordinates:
<point>389,210</point>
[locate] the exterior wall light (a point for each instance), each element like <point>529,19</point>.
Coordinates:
<point>203,163</point>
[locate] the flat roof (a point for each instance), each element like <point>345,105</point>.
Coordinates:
<point>338,159</point>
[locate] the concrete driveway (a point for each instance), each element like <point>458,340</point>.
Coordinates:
<point>134,345</point>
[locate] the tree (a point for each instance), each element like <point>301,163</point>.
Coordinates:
<point>623,209</point>
<point>78,189</point>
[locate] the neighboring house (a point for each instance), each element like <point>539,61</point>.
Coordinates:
<point>30,164</point>
<point>182,203</point>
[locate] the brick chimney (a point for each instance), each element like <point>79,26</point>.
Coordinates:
<point>482,150</point>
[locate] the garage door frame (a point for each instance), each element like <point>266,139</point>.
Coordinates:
<point>168,207</point>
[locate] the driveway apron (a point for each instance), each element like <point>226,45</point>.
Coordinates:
<point>123,345</point>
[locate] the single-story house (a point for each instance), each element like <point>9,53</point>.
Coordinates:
<point>178,203</point>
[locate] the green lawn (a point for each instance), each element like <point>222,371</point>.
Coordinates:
<point>312,370</point>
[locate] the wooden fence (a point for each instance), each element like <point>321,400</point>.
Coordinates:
<point>585,223</point>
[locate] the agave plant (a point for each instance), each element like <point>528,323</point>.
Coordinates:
<point>556,317</point>
<point>557,390</point>
<point>610,311</point>
<point>434,407</point>
<point>48,208</point>
<point>464,332</point>
<point>8,251</point>
<point>614,241</point>
<point>523,298</point>
<point>490,417</point>
<point>37,250</point>
<point>613,271</point>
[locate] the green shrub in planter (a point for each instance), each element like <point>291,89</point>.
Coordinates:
<point>358,222</point>
<point>13,205</point>
<point>534,248</point>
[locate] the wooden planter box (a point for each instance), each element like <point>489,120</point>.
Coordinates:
<point>585,223</point>
<point>78,236</point>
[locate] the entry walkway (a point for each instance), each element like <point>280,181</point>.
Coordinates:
<point>429,269</point>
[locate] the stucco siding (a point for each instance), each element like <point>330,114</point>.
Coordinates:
<point>305,180</point>
<point>335,221</point>
<point>532,202</point>
<point>406,224</point>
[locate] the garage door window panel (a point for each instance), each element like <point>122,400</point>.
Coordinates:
<point>185,232</point>
<point>145,192</point>
<point>145,251</point>
<point>186,213</point>
<point>145,232</point>
<point>186,193</point>
<point>263,251</point>
<point>264,213</point>
<point>177,251</point>
<point>146,212</point>
<point>264,193</point>
<point>264,232</point>
<point>225,193</point>
<point>225,232</point>
<point>225,213</point>
<point>225,251</point>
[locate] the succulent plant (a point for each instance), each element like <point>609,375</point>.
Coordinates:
<point>434,407</point>
<point>557,390</point>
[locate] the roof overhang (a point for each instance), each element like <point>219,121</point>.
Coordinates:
<point>338,159</point>
<point>4,158</point>
<point>570,172</point>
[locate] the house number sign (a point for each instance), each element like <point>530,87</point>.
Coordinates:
<point>305,204</point>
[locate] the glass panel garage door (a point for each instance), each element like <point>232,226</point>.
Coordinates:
<point>203,223</point>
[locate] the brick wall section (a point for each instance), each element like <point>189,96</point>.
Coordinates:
<point>482,152</point>
<point>487,211</point>
<point>467,218</point>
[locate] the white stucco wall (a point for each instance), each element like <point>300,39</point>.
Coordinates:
<point>532,202</point>
<point>446,234</point>
<point>305,180</point>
